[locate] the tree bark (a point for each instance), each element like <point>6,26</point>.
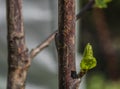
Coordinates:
<point>65,42</point>
<point>18,59</point>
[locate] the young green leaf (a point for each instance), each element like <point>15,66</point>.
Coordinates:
<point>88,61</point>
<point>102,3</point>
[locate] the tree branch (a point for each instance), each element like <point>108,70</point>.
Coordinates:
<point>43,45</point>
<point>87,7</point>
<point>65,43</point>
<point>106,43</point>
<point>18,59</point>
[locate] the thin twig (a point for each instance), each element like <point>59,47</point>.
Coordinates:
<point>87,7</point>
<point>43,45</point>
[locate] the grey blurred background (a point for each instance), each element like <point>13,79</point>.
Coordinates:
<point>40,20</point>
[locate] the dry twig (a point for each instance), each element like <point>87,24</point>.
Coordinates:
<point>43,45</point>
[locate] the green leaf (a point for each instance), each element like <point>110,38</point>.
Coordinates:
<point>88,61</point>
<point>102,3</point>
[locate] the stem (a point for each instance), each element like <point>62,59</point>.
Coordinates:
<point>65,43</point>
<point>43,45</point>
<point>46,43</point>
<point>87,7</point>
<point>18,59</point>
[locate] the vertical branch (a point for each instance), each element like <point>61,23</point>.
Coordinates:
<point>65,42</point>
<point>18,60</point>
<point>105,40</point>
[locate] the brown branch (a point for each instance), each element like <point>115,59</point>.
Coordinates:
<point>43,45</point>
<point>104,36</point>
<point>65,43</point>
<point>18,59</point>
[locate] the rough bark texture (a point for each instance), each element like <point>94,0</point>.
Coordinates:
<point>18,59</point>
<point>65,42</point>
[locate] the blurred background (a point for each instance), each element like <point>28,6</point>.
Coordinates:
<point>99,27</point>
